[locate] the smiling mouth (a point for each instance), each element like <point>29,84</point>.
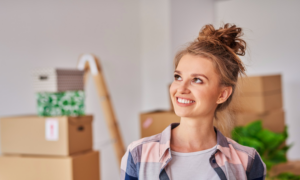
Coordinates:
<point>184,101</point>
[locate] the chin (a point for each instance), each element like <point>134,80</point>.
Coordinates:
<point>183,113</point>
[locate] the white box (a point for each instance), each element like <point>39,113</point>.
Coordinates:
<point>58,80</point>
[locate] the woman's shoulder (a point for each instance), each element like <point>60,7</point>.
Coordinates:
<point>250,151</point>
<point>149,142</point>
<point>256,167</point>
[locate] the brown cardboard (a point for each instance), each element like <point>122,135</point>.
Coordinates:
<point>27,135</point>
<point>272,120</point>
<point>260,84</point>
<point>82,166</point>
<point>152,123</point>
<point>258,94</point>
<point>258,103</point>
<point>290,166</point>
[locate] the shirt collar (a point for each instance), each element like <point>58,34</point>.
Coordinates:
<point>222,143</point>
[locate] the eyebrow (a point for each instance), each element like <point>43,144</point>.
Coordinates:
<point>194,74</point>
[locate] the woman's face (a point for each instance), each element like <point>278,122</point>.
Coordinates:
<point>195,91</point>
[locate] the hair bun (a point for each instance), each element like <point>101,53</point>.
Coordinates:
<point>228,35</point>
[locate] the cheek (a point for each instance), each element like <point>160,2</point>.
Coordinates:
<point>205,94</point>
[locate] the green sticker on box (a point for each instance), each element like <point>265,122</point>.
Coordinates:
<point>68,103</point>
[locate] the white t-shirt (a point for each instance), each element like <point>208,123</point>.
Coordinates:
<point>192,166</point>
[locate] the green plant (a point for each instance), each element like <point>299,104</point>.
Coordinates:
<point>270,145</point>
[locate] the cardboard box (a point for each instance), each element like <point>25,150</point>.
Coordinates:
<point>155,122</point>
<point>272,120</point>
<point>58,80</point>
<point>32,135</point>
<point>290,166</point>
<point>258,94</point>
<point>260,84</point>
<point>82,166</point>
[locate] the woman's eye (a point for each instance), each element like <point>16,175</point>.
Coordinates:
<point>197,80</point>
<point>177,77</point>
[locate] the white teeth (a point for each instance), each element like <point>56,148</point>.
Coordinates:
<point>185,101</point>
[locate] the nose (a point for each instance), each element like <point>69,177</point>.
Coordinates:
<point>183,88</point>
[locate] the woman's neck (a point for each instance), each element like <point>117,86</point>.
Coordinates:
<point>193,135</point>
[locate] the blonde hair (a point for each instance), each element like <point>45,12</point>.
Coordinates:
<point>222,47</point>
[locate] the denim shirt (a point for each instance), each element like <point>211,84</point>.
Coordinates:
<point>148,158</point>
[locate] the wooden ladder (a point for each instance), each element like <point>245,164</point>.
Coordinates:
<point>90,63</point>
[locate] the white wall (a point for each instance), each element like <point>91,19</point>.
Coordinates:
<point>188,17</point>
<point>53,34</point>
<point>272,33</point>
<point>155,53</point>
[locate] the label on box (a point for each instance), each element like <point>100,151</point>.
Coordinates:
<point>51,129</point>
<point>147,123</point>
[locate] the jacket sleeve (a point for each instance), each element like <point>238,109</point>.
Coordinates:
<point>258,169</point>
<point>128,166</point>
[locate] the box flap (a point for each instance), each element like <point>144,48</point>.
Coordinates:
<point>256,85</point>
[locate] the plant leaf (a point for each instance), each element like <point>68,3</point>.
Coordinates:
<point>253,128</point>
<point>251,142</point>
<point>270,139</point>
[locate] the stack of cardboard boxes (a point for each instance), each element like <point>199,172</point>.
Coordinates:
<point>41,148</point>
<point>49,147</point>
<point>259,97</point>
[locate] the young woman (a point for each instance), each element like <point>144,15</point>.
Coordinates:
<point>205,77</point>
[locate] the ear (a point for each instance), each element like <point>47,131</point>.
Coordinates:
<point>224,94</point>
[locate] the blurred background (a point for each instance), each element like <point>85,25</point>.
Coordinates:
<point>136,42</point>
